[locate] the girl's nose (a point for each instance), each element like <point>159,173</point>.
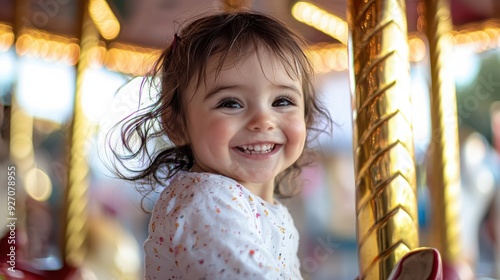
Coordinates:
<point>261,121</point>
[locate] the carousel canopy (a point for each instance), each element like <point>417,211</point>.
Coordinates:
<point>151,23</point>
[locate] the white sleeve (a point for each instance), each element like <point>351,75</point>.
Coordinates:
<point>212,233</point>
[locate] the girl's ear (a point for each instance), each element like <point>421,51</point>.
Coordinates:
<point>174,128</point>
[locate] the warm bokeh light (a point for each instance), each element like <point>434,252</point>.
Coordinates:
<point>131,60</point>
<point>36,43</point>
<point>96,56</point>
<point>6,37</point>
<point>136,61</point>
<point>417,49</point>
<point>21,133</point>
<point>322,20</point>
<point>479,37</point>
<point>328,57</point>
<point>38,184</point>
<point>104,19</point>
<point>21,147</point>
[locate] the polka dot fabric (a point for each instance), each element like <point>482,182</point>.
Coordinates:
<point>207,226</point>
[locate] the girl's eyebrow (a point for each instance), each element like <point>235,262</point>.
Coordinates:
<point>220,88</point>
<point>292,88</point>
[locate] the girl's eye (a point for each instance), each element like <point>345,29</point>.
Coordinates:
<point>283,101</point>
<point>230,103</point>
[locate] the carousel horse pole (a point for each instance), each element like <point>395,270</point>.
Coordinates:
<point>75,214</point>
<point>443,167</point>
<point>385,177</point>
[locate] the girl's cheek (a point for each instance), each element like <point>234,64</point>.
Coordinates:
<point>296,127</point>
<point>220,128</point>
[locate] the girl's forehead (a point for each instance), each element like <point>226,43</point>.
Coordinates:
<point>269,62</point>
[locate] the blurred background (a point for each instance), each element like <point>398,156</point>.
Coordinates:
<point>70,69</point>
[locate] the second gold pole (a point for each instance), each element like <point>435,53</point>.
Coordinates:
<point>386,209</point>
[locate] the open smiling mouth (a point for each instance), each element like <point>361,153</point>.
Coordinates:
<point>256,149</point>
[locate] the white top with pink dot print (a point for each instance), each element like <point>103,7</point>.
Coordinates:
<point>207,226</point>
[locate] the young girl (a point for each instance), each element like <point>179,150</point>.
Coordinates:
<point>237,102</point>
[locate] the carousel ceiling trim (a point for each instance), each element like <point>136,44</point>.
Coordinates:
<point>135,60</point>
<point>321,20</point>
<point>41,44</point>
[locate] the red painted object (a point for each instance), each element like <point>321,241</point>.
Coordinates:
<point>14,267</point>
<point>421,263</point>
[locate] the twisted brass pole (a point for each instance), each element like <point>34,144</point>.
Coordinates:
<point>387,224</point>
<point>76,201</point>
<point>444,159</point>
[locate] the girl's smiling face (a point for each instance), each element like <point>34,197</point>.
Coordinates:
<point>247,121</point>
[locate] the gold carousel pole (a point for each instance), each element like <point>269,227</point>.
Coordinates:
<point>444,159</point>
<point>386,206</point>
<point>76,201</point>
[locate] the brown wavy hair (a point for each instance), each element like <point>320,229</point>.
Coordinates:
<point>184,61</point>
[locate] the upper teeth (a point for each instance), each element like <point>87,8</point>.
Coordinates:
<point>264,148</point>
